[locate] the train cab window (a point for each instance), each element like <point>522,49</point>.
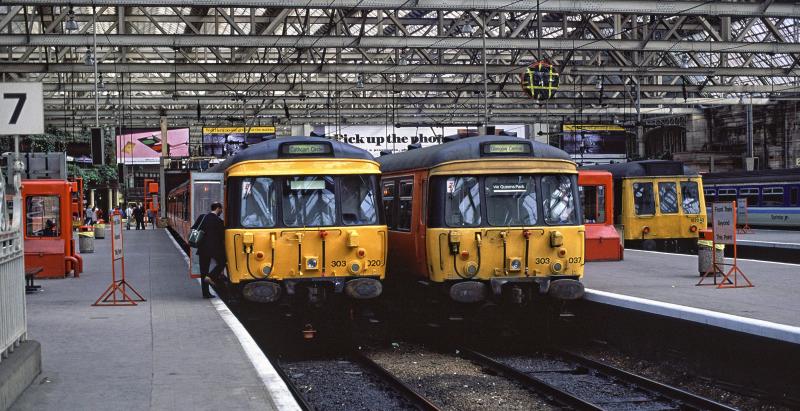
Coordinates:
<point>667,198</point>
<point>258,202</point>
<point>388,203</point>
<point>511,200</point>
<point>691,197</point>
<point>643,202</point>
<point>462,204</point>
<point>42,216</point>
<point>593,199</point>
<point>772,196</point>
<point>309,201</point>
<point>406,193</point>
<point>559,201</point>
<point>358,200</point>
<point>751,194</point>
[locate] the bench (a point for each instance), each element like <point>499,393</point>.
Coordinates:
<point>30,274</point>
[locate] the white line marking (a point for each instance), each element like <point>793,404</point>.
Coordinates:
<point>279,392</point>
<point>743,241</point>
<point>692,255</point>
<point>762,328</point>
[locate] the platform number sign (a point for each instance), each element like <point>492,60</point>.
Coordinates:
<point>21,108</point>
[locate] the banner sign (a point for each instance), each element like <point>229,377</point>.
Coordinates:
<point>144,147</point>
<point>377,138</point>
<point>724,222</point>
<point>599,142</point>
<point>226,141</point>
<point>116,237</point>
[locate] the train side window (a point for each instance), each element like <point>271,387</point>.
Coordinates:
<point>258,200</point>
<point>358,200</point>
<point>404,209</point>
<point>726,194</point>
<point>643,202</point>
<point>691,197</point>
<point>559,201</point>
<point>709,195</point>
<point>751,194</point>
<point>42,216</point>
<point>388,203</point>
<point>795,192</point>
<point>772,196</point>
<point>593,199</point>
<point>462,203</point>
<point>667,198</point>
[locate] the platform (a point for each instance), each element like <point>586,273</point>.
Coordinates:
<point>174,352</point>
<point>770,238</point>
<point>671,278</point>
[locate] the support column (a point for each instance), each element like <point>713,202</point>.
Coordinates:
<point>162,187</point>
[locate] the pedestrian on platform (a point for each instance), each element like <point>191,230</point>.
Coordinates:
<point>211,247</point>
<point>93,214</point>
<point>129,214</point>
<point>151,218</point>
<point>138,215</point>
<point>87,216</point>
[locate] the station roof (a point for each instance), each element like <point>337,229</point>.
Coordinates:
<point>468,148</point>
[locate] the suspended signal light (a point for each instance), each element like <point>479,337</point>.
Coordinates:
<point>540,80</point>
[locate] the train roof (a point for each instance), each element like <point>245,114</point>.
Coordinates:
<point>645,168</point>
<point>468,148</point>
<point>757,176</point>
<point>272,150</point>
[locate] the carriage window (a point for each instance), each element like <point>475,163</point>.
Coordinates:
<point>405,204</point>
<point>258,202</point>
<point>593,199</point>
<point>41,216</point>
<point>751,194</point>
<point>643,203</point>
<point>772,196</point>
<point>691,197</point>
<point>358,200</point>
<point>726,194</point>
<point>388,202</point>
<point>667,198</point>
<point>709,195</point>
<point>511,201</point>
<point>559,201</point>
<point>462,204</point>
<point>309,201</point>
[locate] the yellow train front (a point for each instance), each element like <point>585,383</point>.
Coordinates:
<point>658,204</point>
<point>486,218</point>
<point>303,223</point>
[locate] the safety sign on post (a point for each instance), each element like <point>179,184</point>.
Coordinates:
<point>741,206</point>
<point>119,292</point>
<point>21,108</point>
<point>723,218</point>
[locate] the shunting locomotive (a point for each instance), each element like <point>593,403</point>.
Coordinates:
<point>485,218</point>
<point>303,222</point>
<point>658,204</point>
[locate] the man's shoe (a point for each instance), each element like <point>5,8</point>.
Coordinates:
<point>209,295</point>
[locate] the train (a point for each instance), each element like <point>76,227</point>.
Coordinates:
<point>485,219</point>
<point>657,204</point>
<point>773,196</point>
<point>303,220</point>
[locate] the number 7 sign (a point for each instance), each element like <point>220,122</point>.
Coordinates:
<point>21,108</point>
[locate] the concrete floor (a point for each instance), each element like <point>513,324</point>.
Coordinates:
<point>671,278</point>
<point>173,352</point>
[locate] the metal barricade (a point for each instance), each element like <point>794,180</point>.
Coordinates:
<point>13,326</point>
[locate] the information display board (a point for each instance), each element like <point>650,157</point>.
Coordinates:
<point>724,215</point>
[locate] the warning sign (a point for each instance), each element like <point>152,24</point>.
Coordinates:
<point>724,222</point>
<point>116,236</point>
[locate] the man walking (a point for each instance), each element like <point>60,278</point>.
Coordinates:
<point>211,247</point>
<point>138,214</point>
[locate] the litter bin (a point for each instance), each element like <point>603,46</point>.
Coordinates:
<point>99,231</point>
<point>85,241</point>
<point>705,254</point>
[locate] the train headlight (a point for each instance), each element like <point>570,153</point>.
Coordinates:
<point>355,267</point>
<point>557,266</point>
<point>471,269</point>
<point>514,264</point>
<point>312,263</point>
<point>267,270</point>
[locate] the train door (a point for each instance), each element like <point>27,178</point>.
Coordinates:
<point>206,188</point>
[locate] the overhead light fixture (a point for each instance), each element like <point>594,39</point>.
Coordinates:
<point>88,58</point>
<point>467,28</point>
<point>71,24</point>
<point>360,81</point>
<point>302,96</point>
<point>100,84</point>
<point>599,85</point>
<point>685,61</point>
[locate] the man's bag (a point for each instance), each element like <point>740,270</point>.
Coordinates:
<point>196,235</point>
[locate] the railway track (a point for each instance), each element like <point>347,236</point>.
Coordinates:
<point>580,383</point>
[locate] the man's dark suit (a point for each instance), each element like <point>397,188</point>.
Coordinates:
<point>212,246</point>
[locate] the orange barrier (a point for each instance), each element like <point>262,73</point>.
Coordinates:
<point>723,217</point>
<point>117,292</point>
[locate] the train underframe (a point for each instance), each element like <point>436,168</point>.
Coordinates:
<point>673,245</point>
